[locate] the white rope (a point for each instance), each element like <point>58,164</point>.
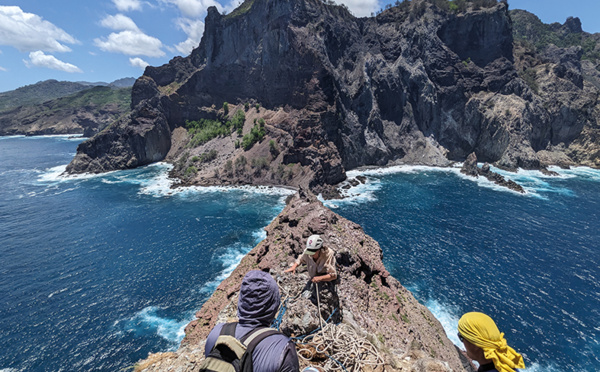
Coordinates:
<point>340,342</point>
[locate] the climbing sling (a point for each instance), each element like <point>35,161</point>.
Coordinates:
<point>232,355</point>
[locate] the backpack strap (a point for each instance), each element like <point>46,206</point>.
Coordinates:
<point>228,329</point>
<point>251,340</point>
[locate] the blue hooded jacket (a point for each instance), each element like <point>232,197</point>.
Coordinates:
<point>258,303</point>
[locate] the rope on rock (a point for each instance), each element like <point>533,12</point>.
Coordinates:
<point>341,344</point>
<point>343,347</point>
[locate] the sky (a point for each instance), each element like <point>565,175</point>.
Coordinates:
<point>106,40</point>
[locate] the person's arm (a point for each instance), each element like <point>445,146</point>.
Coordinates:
<point>324,278</point>
<point>212,338</point>
<point>295,265</point>
<point>292,268</point>
<point>329,266</point>
<point>290,359</point>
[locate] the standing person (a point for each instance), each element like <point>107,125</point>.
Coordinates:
<point>258,304</point>
<point>319,260</point>
<point>486,345</point>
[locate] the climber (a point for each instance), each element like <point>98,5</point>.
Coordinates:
<point>319,260</point>
<point>486,345</point>
<point>258,304</point>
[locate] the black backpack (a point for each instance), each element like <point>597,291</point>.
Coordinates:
<point>232,355</point>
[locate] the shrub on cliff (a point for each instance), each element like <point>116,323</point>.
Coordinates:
<point>203,130</point>
<point>191,171</point>
<point>206,157</point>
<point>259,164</point>
<point>256,135</point>
<point>237,122</point>
<point>273,149</point>
<point>226,108</point>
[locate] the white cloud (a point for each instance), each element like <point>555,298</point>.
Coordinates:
<point>119,22</point>
<point>3,69</point>
<point>127,5</point>
<point>133,43</point>
<point>361,8</point>
<point>194,30</point>
<point>138,62</point>
<point>29,32</point>
<point>193,8</point>
<point>39,59</point>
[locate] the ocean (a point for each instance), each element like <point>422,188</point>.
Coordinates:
<point>99,270</point>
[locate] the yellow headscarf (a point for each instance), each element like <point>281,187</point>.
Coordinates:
<point>480,330</point>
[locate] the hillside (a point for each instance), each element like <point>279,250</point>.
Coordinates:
<point>38,93</point>
<point>85,112</point>
<point>298,92</point>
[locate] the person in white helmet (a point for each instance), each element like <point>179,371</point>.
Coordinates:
<point>319,260</point>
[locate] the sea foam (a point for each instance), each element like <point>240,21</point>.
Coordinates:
<point>148,320</point>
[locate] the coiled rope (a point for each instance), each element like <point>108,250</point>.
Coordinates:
<point>340,343</point>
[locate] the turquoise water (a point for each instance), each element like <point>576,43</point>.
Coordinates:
<point>98,271</point>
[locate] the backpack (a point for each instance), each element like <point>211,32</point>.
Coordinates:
<point>232,355</point>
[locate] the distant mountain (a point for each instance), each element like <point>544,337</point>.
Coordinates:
<point>123,83</point>
<point>47,90</point>
<point>38,93</point>
<point>87,111</point>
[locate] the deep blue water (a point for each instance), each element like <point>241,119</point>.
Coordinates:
<point>530,262</point>
<point>98,271</point>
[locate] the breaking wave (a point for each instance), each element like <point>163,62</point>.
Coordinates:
<point>149,321</point>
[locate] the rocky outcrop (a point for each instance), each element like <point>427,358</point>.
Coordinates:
<point>470,168</point>
<point>419,83</point>
<point>370,301</point>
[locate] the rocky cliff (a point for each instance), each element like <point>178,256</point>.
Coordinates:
<point>370,303</point>
<point>322,92</point>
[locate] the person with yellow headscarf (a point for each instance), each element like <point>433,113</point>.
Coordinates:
<point>487,345</point>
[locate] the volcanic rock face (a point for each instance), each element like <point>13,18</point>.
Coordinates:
<point>416,84</point>
<point>369,299</point>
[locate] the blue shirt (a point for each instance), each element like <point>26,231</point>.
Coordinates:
<point>276,353</point>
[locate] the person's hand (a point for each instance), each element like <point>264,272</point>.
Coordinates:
<point>292,268</point>
<point>316,279</point>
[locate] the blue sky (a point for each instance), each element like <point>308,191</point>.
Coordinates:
<point>105,40</point>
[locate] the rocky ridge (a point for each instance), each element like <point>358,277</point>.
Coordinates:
<point>371,302</point>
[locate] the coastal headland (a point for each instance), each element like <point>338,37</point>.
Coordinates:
<point>372,304</point>
<point>298,92</point>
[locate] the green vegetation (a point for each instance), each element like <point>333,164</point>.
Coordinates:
<point>256,135</point>
<point>228,168</point>
<point>37,93</point>
<point>241,10</point>
<point>206,157</point>
<point>226,108</point>
<point>203,130</point>
<point>417,9</point>
<point>238,121</point>
<point>260,163</point>
<point>529,30</point>
<point>273,149</point>
<point>191,171</point>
